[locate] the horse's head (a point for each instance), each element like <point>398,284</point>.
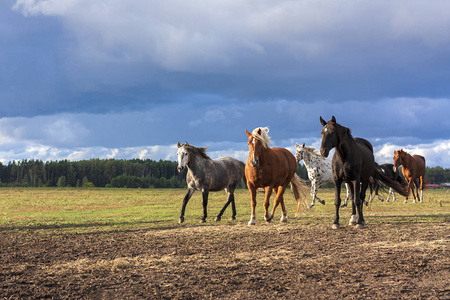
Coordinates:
<point>398,159</point>
<point>299,152</point>
<point>257,140</point>
<point>329,136</point>
<point>183,156</point>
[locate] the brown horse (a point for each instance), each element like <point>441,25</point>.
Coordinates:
<point>413,168</point>
<point>272,169</point>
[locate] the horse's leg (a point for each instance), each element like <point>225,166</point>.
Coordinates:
<point>316,188</point>
<point>185,202</point>
<point>252,190</point>
<point>370,194</point>
<point>283,218</point>
<point>416,195</point>
<point>279,199</point>
<point>421,188</point>
<point>313,193</point>
<point>352,196</point>
<point>360,204</point>
<point>408,188</point>
<point>337,202</point>
<point>233,207</point>
<point>267,216</point>
<point>376,193</point>
<point>230,199</point>
<point>205,194</point>
<point>347,196</point>
<point>389,195</point>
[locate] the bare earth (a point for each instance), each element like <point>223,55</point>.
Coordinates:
<point>230,261</point>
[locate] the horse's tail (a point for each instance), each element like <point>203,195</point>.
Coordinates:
<point>300,190</point>
<point>382,180</point>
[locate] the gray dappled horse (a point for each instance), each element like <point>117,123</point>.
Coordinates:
<point>205,175</point>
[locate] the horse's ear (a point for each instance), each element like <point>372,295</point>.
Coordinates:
<point>303,145</point>
<point>259,131</point>
<point>178,144</point>
<point>186,144</point>
<point>296,145</point>
<point>248,133</point>
<point>322,121</point>
<point>333,120</point>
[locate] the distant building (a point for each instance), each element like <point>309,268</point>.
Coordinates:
<point>445,185</point>
<point>432,186</point>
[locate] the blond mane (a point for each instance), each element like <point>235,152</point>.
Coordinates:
<point>263,137</point>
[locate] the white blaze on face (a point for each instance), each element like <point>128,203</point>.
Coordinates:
<point>182,156</point>
<point>254,142</point>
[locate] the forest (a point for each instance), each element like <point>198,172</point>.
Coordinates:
<point>134,173</point>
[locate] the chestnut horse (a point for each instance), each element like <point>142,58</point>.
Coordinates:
<point>353,162</point>
<point>272,169</point>
<point>413,168</point>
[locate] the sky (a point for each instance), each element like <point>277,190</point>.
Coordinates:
<point>82,79</point>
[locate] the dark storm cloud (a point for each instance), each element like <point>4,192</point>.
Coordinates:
<point>80,74</point>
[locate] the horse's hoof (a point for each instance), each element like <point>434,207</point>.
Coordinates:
<point>322,202</point>
<point>344,205</point>
<point>233,218</point>
<point>359,226</point>
<point>218,218</point>
<point>406,201</point>
<point>283,219</point>
<point>202,221</point>
<point>269,218</point>
<point>251,222</point>
<point>181,220</point>
<point>335,226</point>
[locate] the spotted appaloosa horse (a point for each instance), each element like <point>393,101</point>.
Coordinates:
<point>413,168</point>
<point>272,169</point>
<point>353,162</point>
<point>205,174</point>
<point>319,170</point>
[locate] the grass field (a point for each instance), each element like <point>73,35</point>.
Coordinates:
<point>88,210</point>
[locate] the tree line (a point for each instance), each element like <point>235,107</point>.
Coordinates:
<point>133,173</point>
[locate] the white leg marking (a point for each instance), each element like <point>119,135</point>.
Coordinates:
<point>252,220</point>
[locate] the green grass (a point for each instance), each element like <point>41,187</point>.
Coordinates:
<point>92,210</point>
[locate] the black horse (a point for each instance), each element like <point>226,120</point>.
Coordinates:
<point>353,162</point>
<point>388,170</point>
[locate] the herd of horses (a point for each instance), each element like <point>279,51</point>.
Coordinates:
<point>273,169</point>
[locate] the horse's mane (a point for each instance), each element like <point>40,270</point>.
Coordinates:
<point>311,149</point>
<point>263,137</point>
<point>201,151</point>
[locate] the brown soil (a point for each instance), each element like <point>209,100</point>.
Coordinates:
<point>229,261</point>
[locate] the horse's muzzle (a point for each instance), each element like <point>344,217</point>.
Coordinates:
<point>324,152</point>
<point>254,163</point>
<point>180,169</point>
<point>394,168</point>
